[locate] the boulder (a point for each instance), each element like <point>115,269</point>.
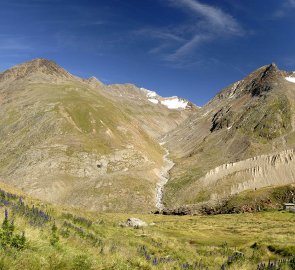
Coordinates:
<point>135,223</point>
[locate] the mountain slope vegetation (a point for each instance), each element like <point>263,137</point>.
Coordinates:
<point>67,238</point>
<point>81,143</point>
<point>65,141</point>
<point>242,139</point>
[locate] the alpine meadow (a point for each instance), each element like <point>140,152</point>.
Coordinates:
<point>156,134</point>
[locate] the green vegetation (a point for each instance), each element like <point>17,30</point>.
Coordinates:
<point>268,198</point>
<point>268,120</point>
<point>58,133</point>
<point>8,238</point>
<point>59,238</point>
<point>261,126</point>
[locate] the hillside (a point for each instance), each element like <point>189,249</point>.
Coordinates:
<point>243,139</point>
<point>43,236</point>
<point>80,143</point>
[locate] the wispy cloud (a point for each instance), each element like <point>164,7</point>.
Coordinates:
<point>164,34</point>
<point>291,3</point>
<point>212,15</point>
<point>12,43</point>
<point>207,23</point>
<point>189,46</point>
<point>284,9</point>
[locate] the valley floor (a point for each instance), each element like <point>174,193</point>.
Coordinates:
<point>83,240</point>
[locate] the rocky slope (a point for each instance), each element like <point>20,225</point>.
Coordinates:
<point>236,142</point>
<point>157,115</point>
<point>80,142</point>
<point>119,147</point>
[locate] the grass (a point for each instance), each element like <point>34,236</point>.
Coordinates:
<point>263,199</point>
<point>72,128</point>
<point>88,240</point>
<point>261,126</point>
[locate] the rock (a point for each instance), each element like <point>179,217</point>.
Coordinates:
<point>181,211</point>
<point>135,223</point>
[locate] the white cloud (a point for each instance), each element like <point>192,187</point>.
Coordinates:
<point>187,47</point>
<point>212,23</point>
<point>177,43</point>
<point>285,9</point>
<point>291,3</point>
<point>164,34</point>
<point>213,15</point>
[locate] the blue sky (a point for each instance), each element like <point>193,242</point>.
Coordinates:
<point>188,48</point>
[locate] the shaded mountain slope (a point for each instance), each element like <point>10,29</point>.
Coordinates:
<point>252,118</point>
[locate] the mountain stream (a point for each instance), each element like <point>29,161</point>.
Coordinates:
<point>163,179</point>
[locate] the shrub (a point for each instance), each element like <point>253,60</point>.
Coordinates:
<point>54,236</point>
<point>82,262</point>
<point>7,236</point>
<point>292,263</point>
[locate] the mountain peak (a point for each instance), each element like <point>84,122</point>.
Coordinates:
<point>263,79</point>
<point>35,66</point>
<point>41,62</point>
<point>271,68</point>
<point>257,83</point>
<point>93,81</point>
<point>273,65</point>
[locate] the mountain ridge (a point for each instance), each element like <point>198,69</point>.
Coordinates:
<point>38,65</point>
<point>251,117</point>
<point>83,143</point>
<point>79,142</point>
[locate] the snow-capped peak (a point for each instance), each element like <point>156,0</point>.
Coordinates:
<point>153,100</point>
<point>149,93</point>
<point>174,103</point>
<point>290,79</point>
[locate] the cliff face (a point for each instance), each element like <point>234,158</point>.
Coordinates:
<point>253,173</point>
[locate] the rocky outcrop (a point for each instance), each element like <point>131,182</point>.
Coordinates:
<point>253,173</point>
<point>250,117</point>
<point>221,119</point>
<point>134,223</point>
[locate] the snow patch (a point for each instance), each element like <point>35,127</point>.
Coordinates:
<point>174,103</point>
<point>290,79</point>
<point>155,101</point>
<point>149,93</point>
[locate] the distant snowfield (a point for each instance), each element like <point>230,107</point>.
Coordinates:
<point>149,93</point>
<point>290,79</point>
<point>171,103</point>
<point>174,103</point>
<point>155,101</point>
